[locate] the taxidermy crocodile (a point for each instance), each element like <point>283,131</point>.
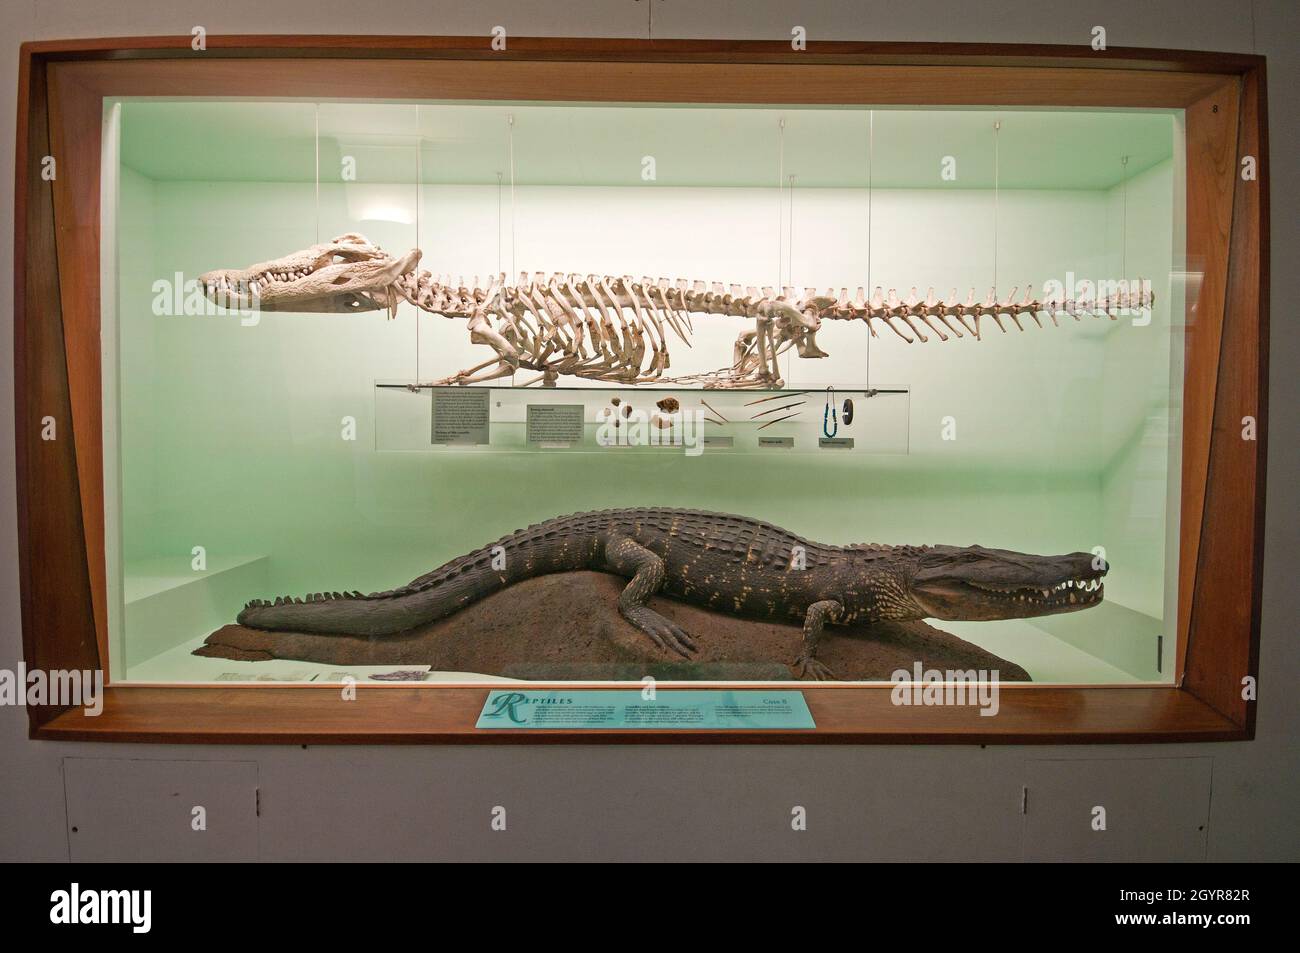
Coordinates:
<point>611,328</point>
<point>733,564</point>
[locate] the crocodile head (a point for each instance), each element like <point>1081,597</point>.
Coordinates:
<point>342,275</point>
<point>978,584</point>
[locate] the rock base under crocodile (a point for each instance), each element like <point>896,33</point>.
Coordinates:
<point>532,631</point>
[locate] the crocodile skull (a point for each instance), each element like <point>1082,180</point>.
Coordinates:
<point>977,584</point>
<point>343,275</point>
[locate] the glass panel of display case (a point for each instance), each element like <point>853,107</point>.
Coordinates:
<point>874,328</point>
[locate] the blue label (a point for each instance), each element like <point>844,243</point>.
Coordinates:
<point>628,709</point>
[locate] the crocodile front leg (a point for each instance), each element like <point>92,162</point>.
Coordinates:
<point>629,558</point>
<point>813,624</point>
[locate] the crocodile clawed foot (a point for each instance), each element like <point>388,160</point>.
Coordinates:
<point>664,632</point>
<point>811,668</point>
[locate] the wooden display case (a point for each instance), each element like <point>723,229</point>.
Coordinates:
<point>58,374</point>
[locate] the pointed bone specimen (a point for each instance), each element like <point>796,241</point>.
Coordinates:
<point>613,328</point>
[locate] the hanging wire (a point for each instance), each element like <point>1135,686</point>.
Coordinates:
<point>789,266</point>
<point>316,140</point>
<point>997,183</point>
<point>1123,219</point>
<point>871,170</point>
<point>499,223</point>
<point>513,216</point>
<point>514,273</point>
<point>780,200</point>
<point>789,224</point>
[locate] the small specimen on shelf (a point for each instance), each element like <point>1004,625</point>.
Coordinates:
<point>612,328</point>
<point>776,410</point>
<point>763,400</point>
<point>778,420</point>
<point>746,567</point>
<point>713,410</point>
<point>830,418</point>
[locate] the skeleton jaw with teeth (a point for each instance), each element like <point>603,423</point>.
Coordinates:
<point>343,275</point>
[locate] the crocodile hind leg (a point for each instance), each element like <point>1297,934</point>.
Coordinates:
<point>629,558</point>
<point>813,624</point>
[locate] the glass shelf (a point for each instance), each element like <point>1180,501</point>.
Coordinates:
<point>618,391</point>
<point>650,419</point>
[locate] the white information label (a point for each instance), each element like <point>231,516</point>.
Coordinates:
<point>461,416</point>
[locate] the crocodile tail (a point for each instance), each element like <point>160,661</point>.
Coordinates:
<point>559,545</point>
<point>425,600</point>
<point>335,614</point>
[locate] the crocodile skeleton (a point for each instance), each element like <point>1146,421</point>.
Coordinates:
<point>616,329</point>
<point>733,564</point>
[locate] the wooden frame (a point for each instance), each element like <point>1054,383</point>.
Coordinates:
<point>57,372</point>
